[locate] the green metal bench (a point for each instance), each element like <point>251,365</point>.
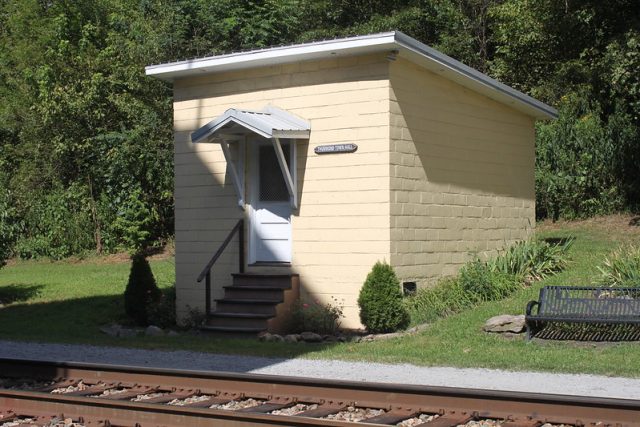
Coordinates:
<point>586,305</point>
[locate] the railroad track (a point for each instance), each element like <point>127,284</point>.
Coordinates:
<point>70,394</point>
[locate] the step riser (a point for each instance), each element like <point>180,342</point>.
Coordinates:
<point>239,293</point>
<point>236,322</point>
<point>276,282</point>
<point>252,294</point>
<point>226,307</point>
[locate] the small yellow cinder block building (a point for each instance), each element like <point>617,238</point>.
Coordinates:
<point>326,157</point>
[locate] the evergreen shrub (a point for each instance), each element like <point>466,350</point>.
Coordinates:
<point>380,301</point>
<point>141,290</point>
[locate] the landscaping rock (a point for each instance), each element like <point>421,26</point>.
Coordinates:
<point>276,338</point>
<point>310,337</point>
<point>330,338</point>
<point>418,328</point>
<point>291,338</point>
<point>173,333</point>
<point>505,323</point>
<point>113,330</point>
<point>381,337</point>
<point>264,336</point>
<point>153,331</point>
<point>127,333</point>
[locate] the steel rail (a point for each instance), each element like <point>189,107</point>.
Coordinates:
<point>399,401</point>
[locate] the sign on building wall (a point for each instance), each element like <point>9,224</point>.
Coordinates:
<point>335,148</point>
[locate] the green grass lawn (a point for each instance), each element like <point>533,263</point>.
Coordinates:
<point>68,302</point>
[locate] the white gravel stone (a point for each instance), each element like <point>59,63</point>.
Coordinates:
<point>537,382</point>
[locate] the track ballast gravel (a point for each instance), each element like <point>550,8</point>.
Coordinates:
<point>536,382</point>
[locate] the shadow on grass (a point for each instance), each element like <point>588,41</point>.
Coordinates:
<point>18,293</point>
<point>558,241</point>
<point>78,321</point>
<point>593,333</point>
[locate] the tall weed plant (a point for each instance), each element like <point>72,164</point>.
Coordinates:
<point>621,268</point>
<point>482,283</point>
<point>479,281</point>
<point>533,258</point>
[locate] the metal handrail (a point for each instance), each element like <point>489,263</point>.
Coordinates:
<point>206,272</point>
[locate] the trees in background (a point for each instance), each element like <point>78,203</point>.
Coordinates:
<point>85,136</point>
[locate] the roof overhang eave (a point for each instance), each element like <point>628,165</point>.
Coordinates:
<point>406,46</point>
<point>273,56</point>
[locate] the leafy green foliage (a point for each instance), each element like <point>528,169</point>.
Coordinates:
<point>445,298</point>
<point>621,268</point>
<point>535,259</point>
<point>132,221</point>
<point>380,301</point>
<point>9,228</point>
<point>479,281</point>
<point>316,317</point>
<point>141,291</point>
<point>580,161</point>
<point>56,225</point>
<point>162,313</point>
<point>80,122</point>
<point>484,284</point>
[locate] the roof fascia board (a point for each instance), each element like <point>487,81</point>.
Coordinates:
<point>414,50</point>
<point>272,56</point>
<point>204,133</point>
<point>458,67</point>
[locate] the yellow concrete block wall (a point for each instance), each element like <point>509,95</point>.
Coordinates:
<point>342,197</point>
<point>462,171</point>
<point>440,173</point>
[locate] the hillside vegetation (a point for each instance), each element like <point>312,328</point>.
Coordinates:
<point>85,136</point>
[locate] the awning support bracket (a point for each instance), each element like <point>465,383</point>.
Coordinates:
<point>282,161</point>
<point>238,184</point>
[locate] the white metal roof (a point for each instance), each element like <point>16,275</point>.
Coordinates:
<point>406,47</point>
<point>271,122</point>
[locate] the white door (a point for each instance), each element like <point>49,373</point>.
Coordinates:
<point>270,237</point>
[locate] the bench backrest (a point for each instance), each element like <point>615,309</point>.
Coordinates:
<point>589,302</point>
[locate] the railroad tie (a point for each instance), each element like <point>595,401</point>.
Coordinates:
<point>268,406</point>
<point>176,395</point>
<point>522,423</point>
<point>131,393</point>
<point>6,416</point>
<point>61,383</point>
<point>392,417</point>
<point>450,420</point>
<point>323,410</point>
<point>209,402</point>
<point>91,390</point>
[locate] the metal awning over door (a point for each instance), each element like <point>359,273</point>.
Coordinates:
<point>234,125</point>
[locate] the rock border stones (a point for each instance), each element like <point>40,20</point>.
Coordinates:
<point>117,330</point>
<point>345,336</point>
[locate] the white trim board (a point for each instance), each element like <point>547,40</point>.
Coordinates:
<point>406,47</point>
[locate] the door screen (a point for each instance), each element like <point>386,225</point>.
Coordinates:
<point>272,187</point>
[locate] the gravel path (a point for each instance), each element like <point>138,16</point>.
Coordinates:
<point>585,385</point>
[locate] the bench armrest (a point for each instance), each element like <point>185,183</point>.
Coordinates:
<point>530,306</point>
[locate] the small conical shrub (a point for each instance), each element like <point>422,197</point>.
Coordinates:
<point>141,290</point>
<point>380,301</point>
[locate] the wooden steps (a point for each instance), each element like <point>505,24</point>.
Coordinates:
<point>254,303</point>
